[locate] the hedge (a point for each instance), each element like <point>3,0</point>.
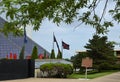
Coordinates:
<point>57,70</point>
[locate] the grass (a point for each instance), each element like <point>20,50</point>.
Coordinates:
<point>90,76</point>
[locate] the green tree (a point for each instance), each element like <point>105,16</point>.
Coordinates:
<point>52,55</point>
<point>59,55</point>
<point>21,55</point>
<point>24,12</point>
<point>101,51</point>
<point>45,55</point>
<point>34,53</point>
<point>77,60</point>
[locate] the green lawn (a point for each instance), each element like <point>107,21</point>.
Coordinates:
<point>91,76</point>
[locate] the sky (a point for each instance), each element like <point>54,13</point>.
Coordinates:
<point>76,38</point>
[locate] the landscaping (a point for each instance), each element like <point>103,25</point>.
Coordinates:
<point>56,70</point>
<point>91,75</point>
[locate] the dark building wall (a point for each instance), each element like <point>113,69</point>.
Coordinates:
<point>16,69</point>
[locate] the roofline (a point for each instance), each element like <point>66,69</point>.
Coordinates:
<point>38,44</point>
<point>116,50</point>
<point>28,37</point>
<point>78,51</point>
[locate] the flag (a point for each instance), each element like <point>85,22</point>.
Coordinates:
<point>65,45</point>
<point>25,37</point>
<point>54,39</point>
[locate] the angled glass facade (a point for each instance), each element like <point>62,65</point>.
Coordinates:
<point>12,44</point>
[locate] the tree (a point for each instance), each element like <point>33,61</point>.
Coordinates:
<point>34,53</point>
<point>45,55</point>
<point>101,51</point>
<point>59,55</point>
<point>21,55</point>
<point>52,56</point>
<point>24,12</point>
<point>77,60</point>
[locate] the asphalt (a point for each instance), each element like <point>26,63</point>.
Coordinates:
<point>115,77</point>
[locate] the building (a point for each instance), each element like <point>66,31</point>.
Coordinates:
<point>117,54</point>
<point>11,45</point>
<point>80,51</point>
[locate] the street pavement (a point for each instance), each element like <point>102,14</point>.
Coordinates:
<point>115,77</point>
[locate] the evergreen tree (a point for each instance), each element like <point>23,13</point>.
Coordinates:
<point>101,51</point>
<point>45,55</point>
<point>21,55</point>
<point>77,60</point>
<point>52,56</point>
<point>34,53</point>
<point>59,55</point>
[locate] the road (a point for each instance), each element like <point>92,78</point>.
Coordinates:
<point>115,77</point>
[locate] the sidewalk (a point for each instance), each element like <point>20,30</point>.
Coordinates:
<point>115,77</point>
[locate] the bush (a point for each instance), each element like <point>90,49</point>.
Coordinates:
<point>63,70</point>
<point>116,67</point>
<point>105,66</point>
<point>56,70</point>
<point>52,55</point>
<point>34,53</point>
<point>21,55</point>
<point>3,59</point>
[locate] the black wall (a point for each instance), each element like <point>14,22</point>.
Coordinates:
<point>16,69</point>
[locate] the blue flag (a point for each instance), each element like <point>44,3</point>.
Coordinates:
<point>25,37</point>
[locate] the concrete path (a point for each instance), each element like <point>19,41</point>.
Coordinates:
<point>115,77</point>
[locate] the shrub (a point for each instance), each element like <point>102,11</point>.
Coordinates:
<point>3,59</point>
<point>57,70</point>
<point>34,53</point>
<point>63,70</point>
<point>59,56</point>
<point>116,67</point>
<point>104,66</point>
<point>21,56</point>
<point>48,67</point>
<point>52,55</point>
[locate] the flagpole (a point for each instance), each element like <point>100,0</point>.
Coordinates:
<point>25,40</point>
<point>53,45</point>
<point>53,41</point>
<point>62,48</point>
